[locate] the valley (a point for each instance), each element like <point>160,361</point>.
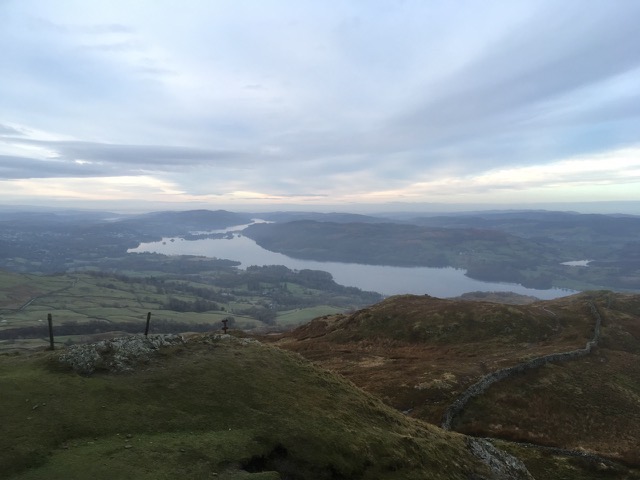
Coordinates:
<point>368,382</point>
<point>362,396</point>
<point>343,240</point>
<point>92,303</point>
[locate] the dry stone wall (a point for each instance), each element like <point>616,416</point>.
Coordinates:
<point>485,382</point>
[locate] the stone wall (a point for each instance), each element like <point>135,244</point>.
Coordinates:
<point>485,382</point>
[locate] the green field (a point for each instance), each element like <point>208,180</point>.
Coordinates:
<point>299,316</point>
<point>229,409</point>
<point>84,304</point>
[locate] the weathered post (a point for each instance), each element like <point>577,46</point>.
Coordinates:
<point>224,325</point>
<point>50,321</point>
<point>146,330</point>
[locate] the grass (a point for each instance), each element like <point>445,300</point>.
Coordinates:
<point>546,465</point>
<point>586,404</point>
<point>419,353</point>
<point>160,456</point>
<point>241,411</point>
<point>402,349</point>
<point>25,300</point>
<point>591,403</point>
<point>249,411</point>
<point>303,315</point>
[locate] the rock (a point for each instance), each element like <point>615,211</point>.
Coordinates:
<point>123,354</point>
<point>116,355</point>
<point>502,465</point>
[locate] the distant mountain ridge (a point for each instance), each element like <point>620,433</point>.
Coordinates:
<point>179,223</point>
<point>524,247</point>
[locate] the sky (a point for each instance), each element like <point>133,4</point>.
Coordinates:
<point>327,104</point>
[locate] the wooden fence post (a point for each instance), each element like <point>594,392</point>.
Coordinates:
<point>146,330</point>
<point>50,320</point>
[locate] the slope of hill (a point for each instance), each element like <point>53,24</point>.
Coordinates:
<point>420,353</point>
<point>181,293</point>
<point>217,406</point>
<point>390,243</point>
<point>610,241</point>
<point>529,248</point>
<point>591,403</point>
<point>181,222</point>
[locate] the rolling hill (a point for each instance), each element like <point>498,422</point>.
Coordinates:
<point>385,378</point>
<point>420,354</point>
<point>214,406</point>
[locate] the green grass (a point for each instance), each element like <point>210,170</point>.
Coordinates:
<point>82,297</point>
<point>157,456</point>
<point>303,315</point>
<point>545,465</point>
<point>210,406</point>
<point>420,353</point>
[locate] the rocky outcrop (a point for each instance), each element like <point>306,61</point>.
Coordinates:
<point>117,354</point>
<point>485,382</point>
<point>502,465</point>
<point>124,354</point>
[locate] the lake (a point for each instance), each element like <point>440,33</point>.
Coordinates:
<point>437,282</point>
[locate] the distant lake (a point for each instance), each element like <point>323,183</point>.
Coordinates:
<point>437,282</point>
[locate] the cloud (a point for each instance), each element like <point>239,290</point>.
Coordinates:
<point>524,74</point>
<point>68,158</point>
<point>41,23</point>
<point>612,168</point>
<point>12,167</point>
<point>6,130</point>
<point>317,100</point>
<point>95,189</point>
<point>141,155</point>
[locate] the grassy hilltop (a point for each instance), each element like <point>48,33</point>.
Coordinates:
<point>211,407</point>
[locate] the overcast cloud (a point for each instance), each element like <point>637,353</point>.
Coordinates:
<point>231,104</point>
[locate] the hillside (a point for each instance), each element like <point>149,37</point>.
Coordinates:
<point>391,243</point>
<point>529,248</point>
<point>214,406</point>
<point>57,242</point>
<point>420,353</point>
<point>182,294</point>
<point>207,404</point>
